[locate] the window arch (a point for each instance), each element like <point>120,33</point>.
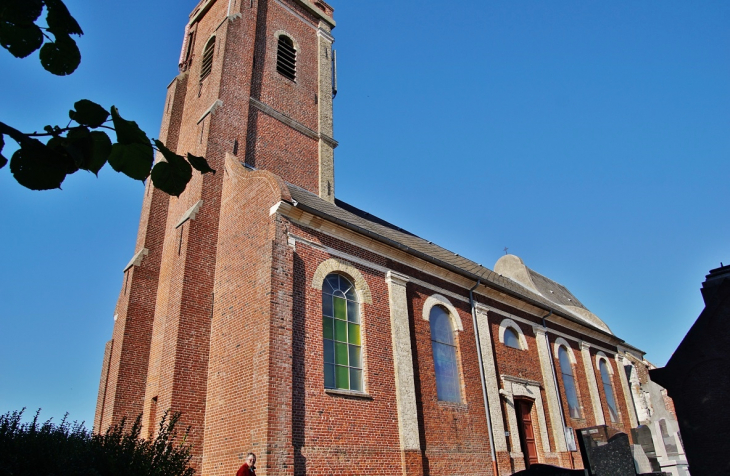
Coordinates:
<point>342,334</point>
<point>286,57</point>
<point>446,368</point>
<point>604,367</point>
<point>508,326</point>
<point>206,65</point>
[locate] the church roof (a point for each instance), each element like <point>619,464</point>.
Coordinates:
<point>512,267</point>
<point>362,222</point>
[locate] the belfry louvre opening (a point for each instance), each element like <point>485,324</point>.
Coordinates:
<point>207,65</point>
<point>286,58</point>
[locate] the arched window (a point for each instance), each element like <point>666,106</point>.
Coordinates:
<point>511,335</point>
<point>207,65</point>
<point>444,355</point>
<point>286,58</point>
<point>608,390</point>
<point>566,371</point>
<point>342,334</point>
<point>511,339</point>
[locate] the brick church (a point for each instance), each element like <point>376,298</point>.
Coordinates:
<point>281,320</point>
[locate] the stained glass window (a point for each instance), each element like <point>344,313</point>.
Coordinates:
<point>566,371</point>
<point>444,356</point>
<point>608,390</point>
<point>341,334</point>
<point>511,339</point>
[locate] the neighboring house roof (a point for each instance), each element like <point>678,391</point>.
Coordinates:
<point>381,230</point>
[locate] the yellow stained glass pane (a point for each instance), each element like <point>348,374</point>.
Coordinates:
<point>353,336</point>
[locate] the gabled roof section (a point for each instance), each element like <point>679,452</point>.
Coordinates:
<point>512,267</point>
<point>364,223</point>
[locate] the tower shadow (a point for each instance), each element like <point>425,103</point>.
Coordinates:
<point>298,366</point>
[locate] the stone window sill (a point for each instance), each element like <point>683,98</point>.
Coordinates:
<point>347,394</point>
<point>454,406</point>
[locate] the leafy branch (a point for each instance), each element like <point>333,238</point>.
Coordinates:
<point>40,166</point>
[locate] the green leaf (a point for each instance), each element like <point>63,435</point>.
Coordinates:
<point>200,164</point>
<point>133,160</point>
<point>3,160</point>
<point>60,57</point>
<point>172,175</point>
<point>20,40</point>
<point>88,113</point>
<point>21,11</point>
<point>128,132</point>
<point>60,21</point>
<point>70,157</point>
<point>101,148</point>
<point>83,149</point>
<point>37,167</point>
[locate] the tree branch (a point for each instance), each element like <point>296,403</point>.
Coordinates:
<point>13,133</point>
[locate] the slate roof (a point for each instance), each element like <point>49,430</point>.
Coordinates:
<point>556,292</point>
<point>362,222</point>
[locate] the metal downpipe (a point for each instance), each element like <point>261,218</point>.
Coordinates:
<point>495,471</point>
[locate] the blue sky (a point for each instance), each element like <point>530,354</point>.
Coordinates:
<point>590,138</point>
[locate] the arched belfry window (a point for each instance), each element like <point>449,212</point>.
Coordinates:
<point>566,372</point>
<point>341,334</point>
<point>286,58</point>
<point>207,65</point>
<point>444,355</point>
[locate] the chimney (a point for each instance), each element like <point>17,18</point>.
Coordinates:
<point>712,283</point>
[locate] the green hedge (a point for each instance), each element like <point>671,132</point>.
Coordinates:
<point>50,449</point>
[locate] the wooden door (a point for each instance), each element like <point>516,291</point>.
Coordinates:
<point>527,433</point>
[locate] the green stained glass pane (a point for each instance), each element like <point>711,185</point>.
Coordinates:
<point>340,353</point>
<point>329,376</point>
<point>327,305</point>
<point>356,380</point>
<point>328,328</point>
<point>355,356</point>
<point>353,334</point>
<point>341,375</point>
<point>329,351</point>
<point>353,312</point>
<point>340,308</point>
<point>340,330</point>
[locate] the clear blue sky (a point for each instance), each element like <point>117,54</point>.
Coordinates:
<point>591,138</point>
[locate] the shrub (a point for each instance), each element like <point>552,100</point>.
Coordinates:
<point>50,449</point>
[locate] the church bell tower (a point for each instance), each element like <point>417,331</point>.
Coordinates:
<point>256,85</point>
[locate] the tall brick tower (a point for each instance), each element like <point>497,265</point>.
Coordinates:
<point>196,325</point>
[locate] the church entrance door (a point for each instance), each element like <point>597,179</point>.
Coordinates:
<point>527,433</point>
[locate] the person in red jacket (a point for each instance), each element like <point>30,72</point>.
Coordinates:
<point>248,468</point>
